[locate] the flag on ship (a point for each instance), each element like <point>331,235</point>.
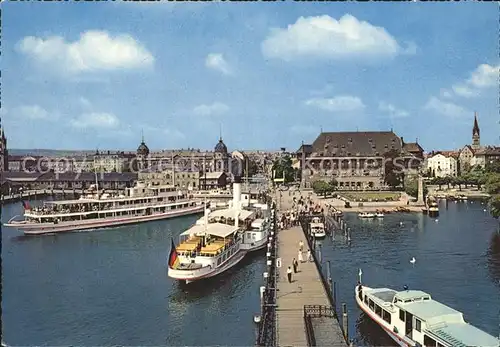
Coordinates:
<point>26,205</point>
<point>173,259</point>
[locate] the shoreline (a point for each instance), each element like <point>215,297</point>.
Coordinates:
<point>391,209</point>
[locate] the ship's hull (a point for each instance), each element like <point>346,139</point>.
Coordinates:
<point>190,276</point>
<point>398,339</point>
<point>80,225</point>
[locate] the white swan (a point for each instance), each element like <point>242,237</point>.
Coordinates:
<point>413,261</point>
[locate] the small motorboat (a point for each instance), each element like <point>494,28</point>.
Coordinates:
<point>366,215</point>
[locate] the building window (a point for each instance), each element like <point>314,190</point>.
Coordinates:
<point>418,325</point>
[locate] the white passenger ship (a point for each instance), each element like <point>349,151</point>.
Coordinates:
<point>317,228</point>
<point>139,204</point>
<point>219,240</point>
<point>413,318</point>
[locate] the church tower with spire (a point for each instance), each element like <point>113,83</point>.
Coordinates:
<point>476,143</point>
<point>4,153</point>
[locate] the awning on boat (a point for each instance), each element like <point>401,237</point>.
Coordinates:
<point>215,229</point>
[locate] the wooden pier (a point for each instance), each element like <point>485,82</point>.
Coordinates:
<point>305,292</point>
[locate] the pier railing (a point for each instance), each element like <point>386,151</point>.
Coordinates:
<point>315,311</point>
<point>266,335</point>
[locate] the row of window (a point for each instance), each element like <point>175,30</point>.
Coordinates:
<point>379,311</point>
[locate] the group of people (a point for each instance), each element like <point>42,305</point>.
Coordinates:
<point>295,263</point>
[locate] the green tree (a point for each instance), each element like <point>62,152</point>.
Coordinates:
<point>393,171</point>
<point>282,167</point>
<point>251,167</point>
<point>322,188</point>
<point>493,166</point>
<point>494,205</point>
<point>493,187</point>
<point>411,188</point>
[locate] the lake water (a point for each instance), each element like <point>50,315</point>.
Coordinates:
<point>110,287</point>
<point>457,261</point>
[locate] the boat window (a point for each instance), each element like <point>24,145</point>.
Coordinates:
<point>371,304</point>
<point>428,342</point>
<point>402,315</point>
<point>418,325</point>
<point>386,316</point>
<point>366,300</point>
<point>440,345</point>
<point>378,310</point>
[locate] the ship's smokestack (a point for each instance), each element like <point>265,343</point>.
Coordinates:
<point>237,192</point>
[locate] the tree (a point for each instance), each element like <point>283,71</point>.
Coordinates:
<point>411,188</point>
<point>282,167</point>
<point>251,167</point>
<point>493,166</point>
<point>393,171</point>
<point>493,187</point>
<point>322,188</point>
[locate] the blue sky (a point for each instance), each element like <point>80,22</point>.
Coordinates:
<point>92,75</point>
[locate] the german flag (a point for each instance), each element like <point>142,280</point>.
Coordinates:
<point>26,205</point>
<point>173,259</point>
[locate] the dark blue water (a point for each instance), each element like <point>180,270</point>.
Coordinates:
<point>110,287</point>
<point>457,262</point>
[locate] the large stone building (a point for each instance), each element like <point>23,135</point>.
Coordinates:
<point>356,159</point>
<point>4,153</point>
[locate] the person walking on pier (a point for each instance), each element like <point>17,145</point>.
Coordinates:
<point>289,274</point>
<point>301,257</point>
<point>295,265</point>
<point>301,246</point>
<point>309,255</point>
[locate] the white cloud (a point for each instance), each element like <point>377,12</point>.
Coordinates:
<point>217,62</point>
<point>96,120</point>
<point>94,51</point>
<point>34,112</point>
<point>447,109</point>
<point>328,38</point>
<point>216,108</point>
<point>392,110</point>
<point>341,103</point>
<point>84,102</point>
<point>483,77</point>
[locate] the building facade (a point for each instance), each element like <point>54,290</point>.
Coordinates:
<point>486,155</point>
<point>442,164</point>
<point>466,159</point>
<point>356,160</point>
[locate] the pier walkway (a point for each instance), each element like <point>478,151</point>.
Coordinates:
<point>306,289</point>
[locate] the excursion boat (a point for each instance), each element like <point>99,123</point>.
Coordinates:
<point>366,215</point>
<point>413,318</point>
<point>254,220</point>
<point>317,228</point>
<point>139,204</point>
<point>205,251</point>
<point>219,240</point>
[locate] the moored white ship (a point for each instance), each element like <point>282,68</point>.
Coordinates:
<point>206,250</point>
<point>413,318</point>
<point>317,228</point>
<point>140,204</point>
<point>254,220</point>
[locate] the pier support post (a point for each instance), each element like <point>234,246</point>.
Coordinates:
<point>329,277</point>
<point>335,295</point>
<point>345,322</point>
